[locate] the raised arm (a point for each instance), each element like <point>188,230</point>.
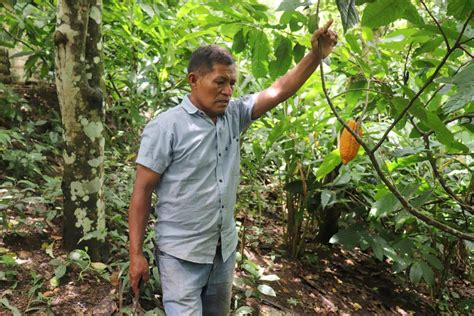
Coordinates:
<point>287,85</point>
<point>138,213</point>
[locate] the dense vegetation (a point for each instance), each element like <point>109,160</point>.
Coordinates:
<point>403,68</point>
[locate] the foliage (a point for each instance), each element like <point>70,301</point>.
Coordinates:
<point>30,26</point>
<point>405,69</point>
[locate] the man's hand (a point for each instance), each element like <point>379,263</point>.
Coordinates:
<point>138,271</point>
<point>324,37</point>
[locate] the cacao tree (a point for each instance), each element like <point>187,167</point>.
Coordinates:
<point>79,71</point>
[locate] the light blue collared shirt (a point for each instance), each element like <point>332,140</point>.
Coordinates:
<point>199,163</point>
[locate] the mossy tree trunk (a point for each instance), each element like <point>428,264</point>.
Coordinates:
<point>79,72</point>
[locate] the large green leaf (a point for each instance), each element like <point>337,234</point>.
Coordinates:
<point>298,52</point>
<point>431,120</point>
<point>464,82</point>
<point>428,274</point>
<point>348,237</point>
<point>260,51</point>
<point>386,204</point>
<point>349,15</point>
<point>416,272</point>
<point>283,56</point>
<point>351,39</point>
<point>411,14</point>
<point>291,5</point>
<point>238,44</point>
<point>460,9</point>
<point>329,163</point>
<point>383,12</point>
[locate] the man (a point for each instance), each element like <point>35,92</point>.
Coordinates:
<point>190,156</point>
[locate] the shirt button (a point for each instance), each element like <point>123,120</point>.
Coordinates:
<point>222,206</point>
<point>219,154</point>
<point>220,180</point>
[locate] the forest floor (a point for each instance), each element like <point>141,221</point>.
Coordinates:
<point>330,281</point>
<point>335,282</point>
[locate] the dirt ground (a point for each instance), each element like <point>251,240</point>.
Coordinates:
<point>336,282</point>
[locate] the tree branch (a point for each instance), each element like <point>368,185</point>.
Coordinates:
<point>391,186</point>
<point>427,83</point>
<point>437,24</point>
<point>468,53</point>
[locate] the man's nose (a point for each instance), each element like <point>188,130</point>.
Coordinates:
<point>228,89</point>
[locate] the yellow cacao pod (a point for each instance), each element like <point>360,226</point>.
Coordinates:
<point>348,145</point>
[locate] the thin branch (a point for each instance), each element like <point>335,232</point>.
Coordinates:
<point>405,74</point>
<point>26,44</point>
<point>362,116</point>
<point>437,24</point>
<point>468,53</point>
<point>427,83</point>
<point>391,186</point>
<point>360,89</point>
<point>466,41</point>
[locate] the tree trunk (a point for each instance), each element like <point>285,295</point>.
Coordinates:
<point>79,71</point>
<point>5,76</point>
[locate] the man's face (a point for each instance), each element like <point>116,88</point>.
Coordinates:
<point>211,91</point>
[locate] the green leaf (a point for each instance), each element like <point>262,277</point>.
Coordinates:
<point>283,56</point>
<point>464,82</point>
<point>325,198</point>
<point>349,15</point>
<point>411,14</point>
<point>434,261</point>
<point>291,5</point>
<point>60,271</point>
<point>54,282</point>
<point>443,134</point>
<point>460,9</point>
<point>260,52</point>
<point>416,272</point>
<point>312,23</point>
<point>428,274</point>
<point>352,41</point>
<point>385,205</point>
<point>99,266</point>
<point>331,161</point>
<point>13,309</point>
<point>298,52</point>
<point>348,237</point>
<point>383,12</point>
<point>377,245</point>
<point>267,290</point>
<point>238,44</point>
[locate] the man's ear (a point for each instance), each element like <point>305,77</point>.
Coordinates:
<point>192,79</point>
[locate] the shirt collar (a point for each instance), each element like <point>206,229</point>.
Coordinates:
<point>189,106</point>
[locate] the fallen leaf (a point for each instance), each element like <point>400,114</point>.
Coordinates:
<point>357,306</point>
<point>99,266</point>
<point>48,293</point>
<point>114,278</point>
<point>22,254</point>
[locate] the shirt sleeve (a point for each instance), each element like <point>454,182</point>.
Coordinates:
<point>155,150</point>
<point>245,106</point>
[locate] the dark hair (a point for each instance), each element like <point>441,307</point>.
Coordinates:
<point>205,57</point>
